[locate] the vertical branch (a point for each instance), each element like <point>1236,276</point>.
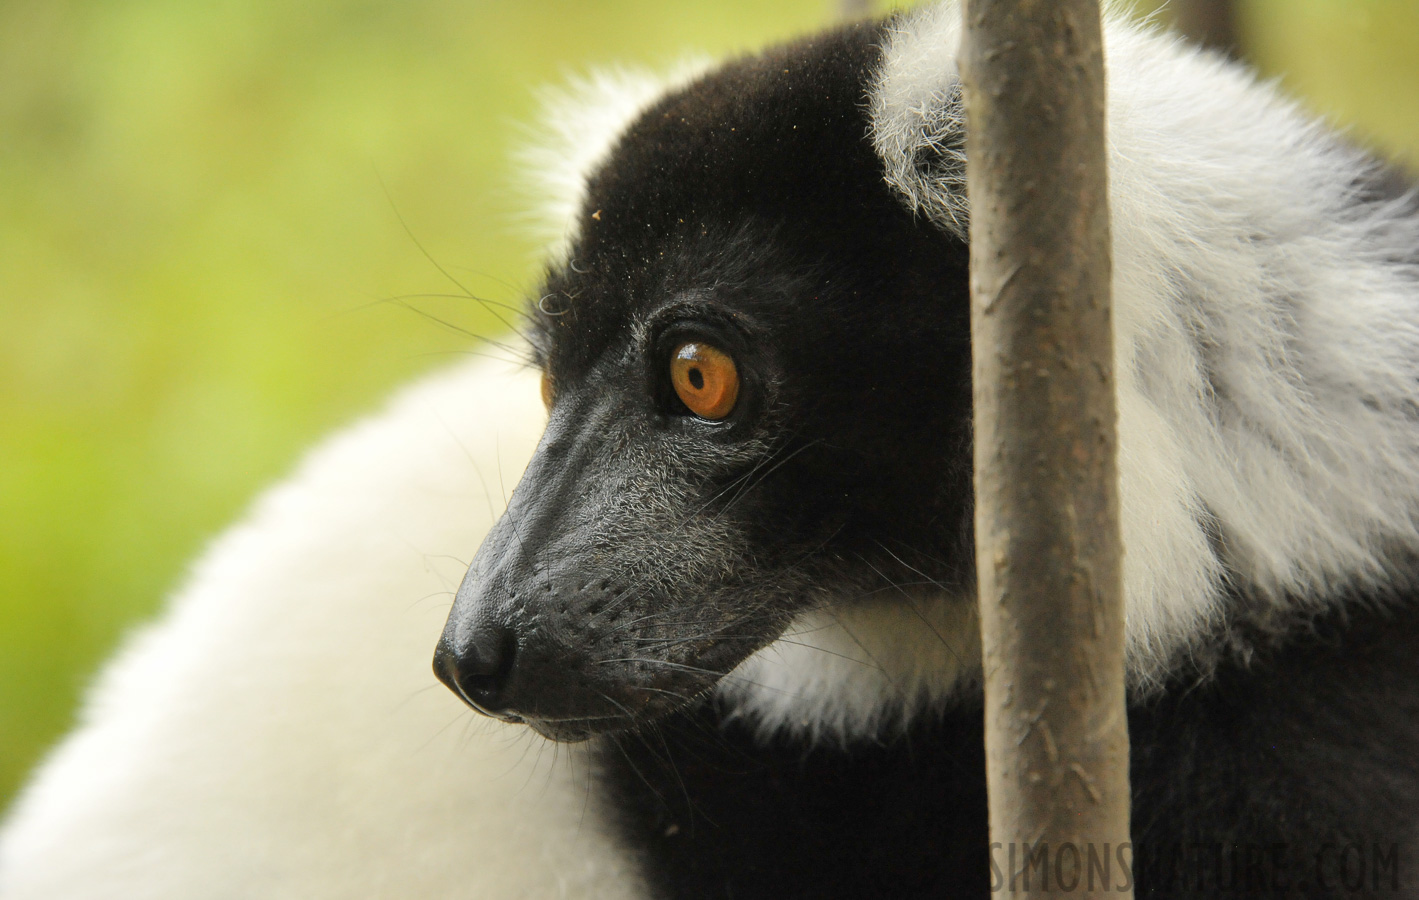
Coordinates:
<point>855,9</point>
<point>1048,548</point>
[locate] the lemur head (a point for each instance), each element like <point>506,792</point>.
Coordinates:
<point>756,362</point>
<point>756,472</point>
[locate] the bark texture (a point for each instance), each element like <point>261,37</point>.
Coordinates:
<point>1048,548</point>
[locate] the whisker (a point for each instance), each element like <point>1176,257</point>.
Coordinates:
<point>912,605</point>
<point>430,257</point>
<point>748,483</point>
<point>434,295</point>
<point>439,320</point>
<point>428,597</point>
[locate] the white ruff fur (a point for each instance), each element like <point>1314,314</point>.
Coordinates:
<point>859,671</point>
<point>278,733</point>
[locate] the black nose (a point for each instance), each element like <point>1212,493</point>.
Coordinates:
<point>480,670</point>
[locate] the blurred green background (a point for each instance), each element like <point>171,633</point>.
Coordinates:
<point>200,233</point>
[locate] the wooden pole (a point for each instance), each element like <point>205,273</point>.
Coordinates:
<point>1048,549</point>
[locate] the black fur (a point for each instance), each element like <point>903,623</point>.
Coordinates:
<point>647,552</point>
<point>747,210</point>
<point>1256,782</point>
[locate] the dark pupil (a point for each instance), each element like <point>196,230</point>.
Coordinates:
<point>697,379</point>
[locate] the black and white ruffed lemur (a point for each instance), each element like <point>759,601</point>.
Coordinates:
<point>734,586</point>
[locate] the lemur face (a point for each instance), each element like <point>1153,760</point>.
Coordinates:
<point>757,366</point>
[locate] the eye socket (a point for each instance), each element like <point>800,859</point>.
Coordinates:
<point>548,393</point>
<point>705,379</point>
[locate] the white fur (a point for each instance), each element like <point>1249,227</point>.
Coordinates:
<point>279,734</point>
<point>862,670</point>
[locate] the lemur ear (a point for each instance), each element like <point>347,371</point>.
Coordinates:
<point>918,125</point>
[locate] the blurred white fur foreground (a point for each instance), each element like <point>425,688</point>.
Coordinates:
<point>279,734</point>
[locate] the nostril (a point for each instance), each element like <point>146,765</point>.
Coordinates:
<point>480,672</point>
<point>485,666</point>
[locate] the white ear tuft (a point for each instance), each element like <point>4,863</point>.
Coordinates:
<point>580,124</point>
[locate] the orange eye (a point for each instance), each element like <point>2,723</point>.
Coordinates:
<point>705,379</point>
<point>547,393</point>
